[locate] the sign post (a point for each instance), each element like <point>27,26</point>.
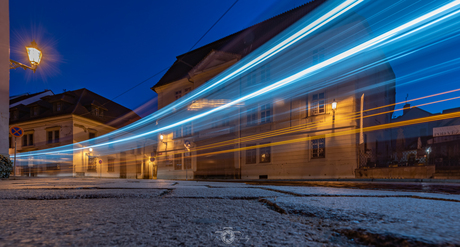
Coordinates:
<point>17,132</point>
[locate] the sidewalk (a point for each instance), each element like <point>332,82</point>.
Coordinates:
<point>77,211</point>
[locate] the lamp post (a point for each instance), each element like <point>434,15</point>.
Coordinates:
<point>35,56</point>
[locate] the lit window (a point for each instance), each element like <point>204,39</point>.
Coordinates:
<point>318,104</point>
<point>318,148</point>
<point>264,154</point>
<point>92,164</point>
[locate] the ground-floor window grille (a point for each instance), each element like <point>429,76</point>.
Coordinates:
<point>92,164</point>
<point>318,148</point>
<point>138,167</point>
<point>177,161</point>
<point>111,165</point>
<point>188,162</point>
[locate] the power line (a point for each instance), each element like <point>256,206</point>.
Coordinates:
<point>182,57</point>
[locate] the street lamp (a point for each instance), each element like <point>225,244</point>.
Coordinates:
<point>35,56</point>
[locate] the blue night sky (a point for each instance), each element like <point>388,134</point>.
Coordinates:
<point>109,46</point>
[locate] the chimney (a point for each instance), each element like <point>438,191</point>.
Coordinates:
<point>406,108</point>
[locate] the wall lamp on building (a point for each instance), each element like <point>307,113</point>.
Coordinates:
<point>334,108</point>
<point>90,150</point>
<point>166,143</point>
<point>35,56</point>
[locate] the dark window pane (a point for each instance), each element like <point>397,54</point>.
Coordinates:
<point>56,136</point>
<point>31,139</point>
<point>50,136</point>
<point>251,155</point>
<point>24,140</point>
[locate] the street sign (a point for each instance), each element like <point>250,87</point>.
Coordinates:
<point>100,161</point>
<point>16,131</point>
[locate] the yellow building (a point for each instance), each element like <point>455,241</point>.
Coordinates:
<point>52,120</point>
<point>321,154</point>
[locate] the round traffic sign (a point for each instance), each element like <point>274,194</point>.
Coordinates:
<point>16,131</point>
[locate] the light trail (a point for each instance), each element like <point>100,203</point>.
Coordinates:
<point>284,44</point>
<point>342,133</point>
<point>402,31</point>
<point>305,127</point>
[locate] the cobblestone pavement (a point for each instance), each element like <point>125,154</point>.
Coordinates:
<point>115,212</point>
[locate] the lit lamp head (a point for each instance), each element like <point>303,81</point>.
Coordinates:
<point>334,105</point>
<point>91,149</point>
<point>35,55</point>
<point>161,137</point>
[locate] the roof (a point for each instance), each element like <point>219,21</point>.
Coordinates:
<point>28,97</point>
<point>78,102</point>
<point>241,43</point>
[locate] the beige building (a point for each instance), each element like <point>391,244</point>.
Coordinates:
<point>294,136</point>
<point>50,121</point>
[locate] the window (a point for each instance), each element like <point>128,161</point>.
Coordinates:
<point>251,79</point>
<point>15,115</point>
<point>188,161</point>
<point>53,166</point>
<point>178,94</point>
<point>28,140</point>
<point>187,90</point>
<point>138,167</point>
<point>318,55</point>
<point>251,116</point>
<point>34,111</point>
<point>264,154</point>
<point>50,134</point>
<point>318,104</point>
<point>98,111</point>
<point>111,143</point>
<point>92,135</point>
<point>188,130</point>
<point>10,145</point>
<point>265,113</point>
<point>111,165</point>
<point>318,148</point>
<point>57,106</point>
<point>56,136</point>
<point>177,161</point>
<point>92,164</point>
<point>251,155</point>
<point>178,133</point>
<point>265,73</point>
<point>139,150</point>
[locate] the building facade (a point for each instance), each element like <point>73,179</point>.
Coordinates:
<point>293,137</point>
<point>52,120</point>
